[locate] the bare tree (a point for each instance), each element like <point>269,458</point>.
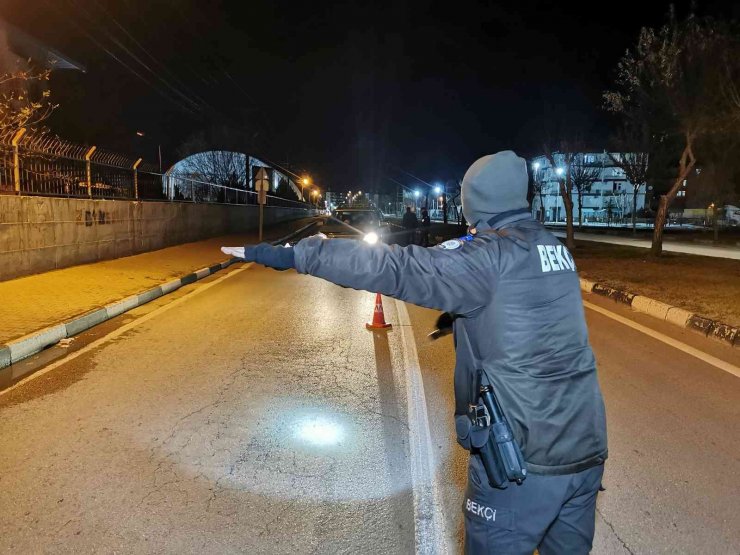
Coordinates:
<point>562,164</point>
<point>610,206</point>
<point>25,102</point>
<point>19,106</point>
<point>217,154</point>
<point>731,75</point>
<point>718,179</point>
<point>583,176</point>
<point>538,188</point>
<point>635,167</point>
<point>673,82</point>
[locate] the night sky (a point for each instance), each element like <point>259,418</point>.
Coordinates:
<point>352,93</point>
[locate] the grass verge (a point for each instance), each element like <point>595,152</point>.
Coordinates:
<point>705,285</point>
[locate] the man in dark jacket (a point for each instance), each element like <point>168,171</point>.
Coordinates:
<point>514,289</point>
<point>426,222</point>
<point>410,223</point>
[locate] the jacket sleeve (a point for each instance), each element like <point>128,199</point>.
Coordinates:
<point>460,280</point>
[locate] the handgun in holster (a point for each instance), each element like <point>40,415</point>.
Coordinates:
<point>500,455</point>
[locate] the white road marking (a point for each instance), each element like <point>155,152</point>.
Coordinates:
<point>123,329</point>
<point>430,531</point>
<point>704,357</point>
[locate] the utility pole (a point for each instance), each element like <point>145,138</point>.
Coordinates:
<point>444,202</point>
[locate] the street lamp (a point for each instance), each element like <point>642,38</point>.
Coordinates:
<point>437,189</point>
<point>559,172</point>
<point>159,149</point>
<point>304,182</point>
<point>536,166</point>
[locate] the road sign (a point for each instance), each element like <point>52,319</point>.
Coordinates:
<point>261,180</point>
<point>261,185</point>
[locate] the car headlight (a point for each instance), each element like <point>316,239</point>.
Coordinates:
<point>371,238</point>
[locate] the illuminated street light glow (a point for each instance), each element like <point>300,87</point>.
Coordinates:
<point>371,238</point>
<point>416,194</point>
<point>536,166</point>
<point>438,189</point>
<point>560,171</point>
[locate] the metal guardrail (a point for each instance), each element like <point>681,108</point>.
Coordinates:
<point>33,163</point>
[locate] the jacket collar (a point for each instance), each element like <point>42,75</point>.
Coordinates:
<point>498,221</point>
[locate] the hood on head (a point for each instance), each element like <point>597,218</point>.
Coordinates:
<point>494,184</point>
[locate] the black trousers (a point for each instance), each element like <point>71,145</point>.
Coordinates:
<point>555,514</point>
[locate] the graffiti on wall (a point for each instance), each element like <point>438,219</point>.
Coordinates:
<point>93,217</point>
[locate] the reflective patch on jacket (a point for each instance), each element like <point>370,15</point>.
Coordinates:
<point>452,244</point>
<point>554,258</point>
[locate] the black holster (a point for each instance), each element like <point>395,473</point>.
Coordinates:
<point>500,453</point>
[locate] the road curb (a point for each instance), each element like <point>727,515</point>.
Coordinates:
<point>28,345</point>
<point>19,349</point>
<point>662,311</point>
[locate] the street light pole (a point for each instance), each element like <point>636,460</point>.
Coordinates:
<point>143,135</point>
<point>304,182</point>
<point>444,203</point>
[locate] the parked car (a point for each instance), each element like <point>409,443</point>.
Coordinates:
<point>354,221</point>
<point>732,214</point>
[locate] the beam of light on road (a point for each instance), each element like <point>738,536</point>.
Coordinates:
<point>319,431</point>
<point>307,450</point>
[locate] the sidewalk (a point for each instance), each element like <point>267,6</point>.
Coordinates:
<point>38,301</point>
<point>668,246</point>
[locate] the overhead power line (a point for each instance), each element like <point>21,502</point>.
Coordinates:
<point>126,66</point>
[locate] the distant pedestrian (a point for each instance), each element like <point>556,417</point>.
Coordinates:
<point>426,222</point>
<point>410,223</point>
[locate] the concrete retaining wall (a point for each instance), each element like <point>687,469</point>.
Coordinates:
<point>38,234</point>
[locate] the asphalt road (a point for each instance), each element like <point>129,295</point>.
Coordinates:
<point>253,412</point>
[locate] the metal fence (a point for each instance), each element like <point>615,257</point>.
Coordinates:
<point>33,163</point>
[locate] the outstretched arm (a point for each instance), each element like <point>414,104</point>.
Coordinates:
<point>459,280</point>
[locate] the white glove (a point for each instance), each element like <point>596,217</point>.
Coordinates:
<point>236,252</point>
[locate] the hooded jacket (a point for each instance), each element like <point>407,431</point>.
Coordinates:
<point>516,290</point>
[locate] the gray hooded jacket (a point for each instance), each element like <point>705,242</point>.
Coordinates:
<point>516,288</point>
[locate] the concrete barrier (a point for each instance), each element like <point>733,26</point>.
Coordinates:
<point>38,234</point>
<point>651,307</point>
<point>672,314</point>
<point>86,321</point>
<point>31,344</point>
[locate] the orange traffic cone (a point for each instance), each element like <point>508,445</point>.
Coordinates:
<point>379,322</point>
